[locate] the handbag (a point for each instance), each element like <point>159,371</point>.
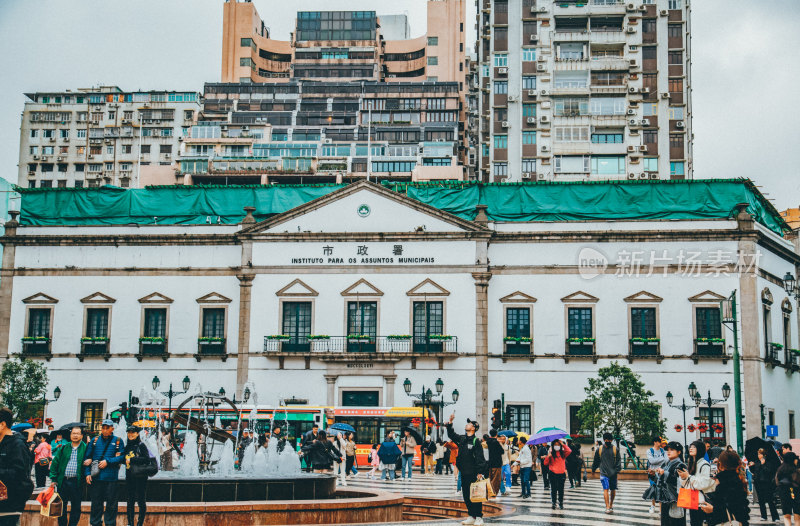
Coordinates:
<point>688,498</point>
<point>3,492</point>
<point>145,469</point>
<point>675,512</point>
<point>54,507</point>
<point>44,462</point>
<point>478,491</point>
<point>731,520</point>
<point>95,469</point>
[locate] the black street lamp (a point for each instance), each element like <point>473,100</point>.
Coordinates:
<point>708,401</point>
<point>428,395</point>
<point>45,400</point>
<point>172,393</point>
<point>683,407</point>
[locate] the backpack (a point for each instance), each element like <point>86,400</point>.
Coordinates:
<point>369,458</point>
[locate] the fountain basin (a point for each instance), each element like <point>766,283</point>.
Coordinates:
<point>236,488</point>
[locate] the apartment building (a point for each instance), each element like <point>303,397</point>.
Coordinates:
<point>299,131</point>
<point>103,135</point>
<point>577,90</point>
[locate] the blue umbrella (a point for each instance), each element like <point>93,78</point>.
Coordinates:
<point>548,434</point>
<point>507,433</point>
<point>340,426</point>
<point>21,427</point>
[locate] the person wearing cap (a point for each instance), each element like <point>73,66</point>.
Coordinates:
<point>607,458</point>
<point>471,465</point>
<point>65,475</point>
<point>106,449</point>
<point>136,453</point>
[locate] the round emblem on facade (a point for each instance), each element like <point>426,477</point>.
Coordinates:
<point>363,210</point>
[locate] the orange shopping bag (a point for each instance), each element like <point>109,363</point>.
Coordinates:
<point>45,495</point>
<point>688,498</point>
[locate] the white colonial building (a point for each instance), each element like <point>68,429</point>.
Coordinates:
<point>340,299</point>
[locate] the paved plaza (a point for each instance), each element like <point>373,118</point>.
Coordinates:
<point>582,506</point>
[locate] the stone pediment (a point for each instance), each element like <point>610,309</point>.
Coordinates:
<point>428,287</point>
<point>643,297</point>
<point>155,298</point>
<point>363,207</point>
<point>580,297</point>
<point>39,298</point>
<point>707,297</point>
<point>297,288</point>
<point>98,297</point>
<point>362,287</point>
<point>213,297</point>
<point>518,297</point>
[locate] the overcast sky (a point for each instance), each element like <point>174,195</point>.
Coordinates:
<point>745,67</point>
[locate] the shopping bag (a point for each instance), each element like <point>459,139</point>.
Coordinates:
<point>45,495</point>
<point>489,490</point>
<point>3,492</point>
<point>688,498</point>
<point>54,506</point>
<point>478,492</point>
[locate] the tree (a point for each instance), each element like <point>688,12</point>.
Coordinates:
<point>23,385</point>
<point>617,401</point>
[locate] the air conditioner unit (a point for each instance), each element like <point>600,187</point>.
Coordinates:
<point>545,148</point>
<point>645,122</point>
<point>513,98</point>
<point>631,175</point>
<point>531,93</point>
<point>167,156</point>
<point>35,157</point>
<point>631,7</point>
<point>65,139</point>
<point>526,176</point>
<point>544,93</point>
<point>631,148</point>
<point>544,118</point>
<point>663,12</point>
<point>643,8</point>
<point>541,177</point>
<point>633,122</point>
<point>126,121</point>
<point>630,29</point>
<point>632,89</point>
<point>645,90</point>
<point>531,120</point>
<point>653,175</point>
<point>59,158</point>
<point>642,148</point>
<point>644,176</point>
<point>543,9</point>
<point>52,139</point>
<point>680,124</point>
<point>665,95</point>
<point>534,38</point>
<point>631,111</point>
<point>502,71</point>
<point>634,63</point>
<point>541,67</point>
<point>328,141</point>
<point>505,124</point>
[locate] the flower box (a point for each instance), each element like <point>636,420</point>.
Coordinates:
<point>644,341</point>
<point>151,340</point>
<point>359,338</point>
<point>399,337</point>
<point>580,341</point>
<point>513,339</point>
<point>210,341</point>
<point>440,337</point>
<point>35,339</point>
<point>87,339</point>
<point>280,337</point>
<point>319,337</point>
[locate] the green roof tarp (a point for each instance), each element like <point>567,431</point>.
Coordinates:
<point>613,200</point>
<point>167,205</point>
<point>620,200</point>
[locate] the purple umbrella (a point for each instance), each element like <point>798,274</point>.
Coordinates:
<point>548,434</point>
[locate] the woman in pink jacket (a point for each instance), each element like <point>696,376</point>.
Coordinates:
<point>42,456</point>
<point>374,461</point>
<point>556,463</point>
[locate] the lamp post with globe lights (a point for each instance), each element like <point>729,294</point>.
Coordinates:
<point>426,398</point>
<point>172,393</point>
<point>709,402</point>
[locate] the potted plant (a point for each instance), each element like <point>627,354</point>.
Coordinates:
<point>643,341</point>
<point>399,337</point>
<point>440,337</point>
<point>98,339</point>
<point>358,338</point>
<point>710,341</point>
<point>35,339</point>
<point>580,341</point>
<point>319,337</point>
<point>280,337</point>
<point>209,340</point>
<point>151,340</point>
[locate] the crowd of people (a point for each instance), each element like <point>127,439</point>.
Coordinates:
<point>73,462</point>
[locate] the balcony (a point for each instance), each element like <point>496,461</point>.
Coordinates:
<point>152,348</point>
<point>709,349</point>
<point>773,354</point>
<point>360,344</point>
<point>36,347</point>
<point>95,347</point>
<point>793,359</point>
<point>517,347</point>
<point>580,348</point>
<point>644,348</point>
<point>211,348</point>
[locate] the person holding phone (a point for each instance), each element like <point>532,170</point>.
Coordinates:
<point>697,476</point>
<point>730,494</point>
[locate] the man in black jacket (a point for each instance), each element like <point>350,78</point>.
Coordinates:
<point>309,437</point>
<point>495,459</point>
<point>471,464</point>
<point>542,452</point>
<point>15,471</point>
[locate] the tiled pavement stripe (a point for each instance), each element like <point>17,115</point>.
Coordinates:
<point>557,519</point>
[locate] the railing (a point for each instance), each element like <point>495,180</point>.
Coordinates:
<point>368,344</point>
<point>773,353</point>
<point>579,348</point>
<point>95,348</point>
<point>152,349</point>
<point>793,359</point>
<point>643,348</point>
<point>709,349</point>
<point>515,348</point>
<point>215,348</point>
<point>36,348</point>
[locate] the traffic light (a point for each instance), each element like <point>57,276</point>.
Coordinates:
<point>509,417</point>
<point>496,416</point>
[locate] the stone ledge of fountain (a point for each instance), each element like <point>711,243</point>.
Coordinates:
<point>347,507</point>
